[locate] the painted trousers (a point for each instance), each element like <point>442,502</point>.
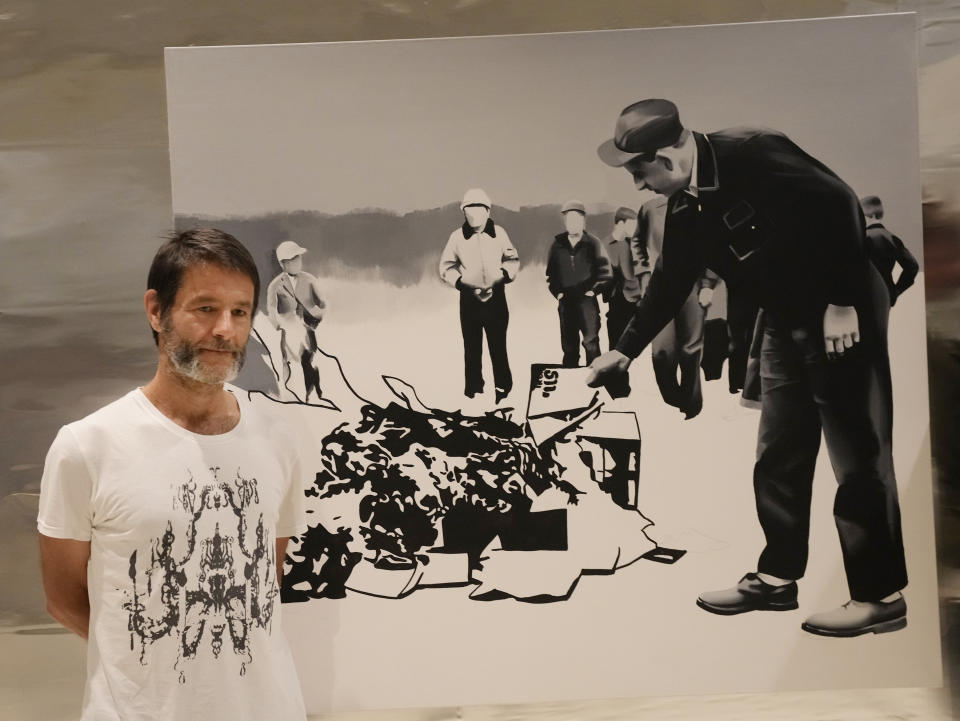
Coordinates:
<point>579,319</point>
<point>678,348</point>
<point>490,317</point>
<point>850,400</point>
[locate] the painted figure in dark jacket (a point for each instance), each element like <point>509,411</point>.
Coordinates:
<point>478,260</point>
<point>623,291</point>
<point>577,270</point>
<point>777,224</point>
<point>887,250</point>
<point>677,350</point>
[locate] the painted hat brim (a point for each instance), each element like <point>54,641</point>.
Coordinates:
<point>612,155</point>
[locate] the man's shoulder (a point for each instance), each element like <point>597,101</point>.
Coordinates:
<point>745,142</point>
<point>108,416</point>
<point>742,134</point>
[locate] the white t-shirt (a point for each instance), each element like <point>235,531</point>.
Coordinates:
<point>184,604</point>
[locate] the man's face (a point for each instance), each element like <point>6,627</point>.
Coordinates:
<point>292,266</point>
<point>204,334</point>
<point>476,215</point>
<point>574,221</point>
<point>665,173</point>
<point>629,227</point>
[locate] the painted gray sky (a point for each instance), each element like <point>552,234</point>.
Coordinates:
<point>411,124</point>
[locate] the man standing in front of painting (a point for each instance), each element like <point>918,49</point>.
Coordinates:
<point>777,224</point>
<point>478,260</point>
<point>165,515</point>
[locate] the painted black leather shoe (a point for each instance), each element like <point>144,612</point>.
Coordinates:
<point>751,594</point>
<point>855,618</point>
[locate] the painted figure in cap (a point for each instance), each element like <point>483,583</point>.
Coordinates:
<point>577,270</point>
<point>887,250</point>
<point>623,292</point>
<point>783,230</point>
<point>479,260</point>
<point>295,308</point>
<point>676,351</point>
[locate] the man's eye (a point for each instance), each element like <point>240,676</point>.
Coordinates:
<point>240,313</point>
<point>206,309</point>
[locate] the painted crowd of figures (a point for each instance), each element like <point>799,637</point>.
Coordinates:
<point>752,251</point>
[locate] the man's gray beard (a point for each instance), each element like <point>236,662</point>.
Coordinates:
<point>185,359</point>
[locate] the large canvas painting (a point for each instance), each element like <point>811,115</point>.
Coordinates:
<point>463,241</point>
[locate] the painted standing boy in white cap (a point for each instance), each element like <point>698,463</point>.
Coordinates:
<point>295,308</point>
<point>478,260</point>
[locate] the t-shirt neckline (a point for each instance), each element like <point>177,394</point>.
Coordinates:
<point>176,428</point>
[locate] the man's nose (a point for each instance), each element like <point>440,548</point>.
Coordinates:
<point>638,180</point>
<point>226,324</point>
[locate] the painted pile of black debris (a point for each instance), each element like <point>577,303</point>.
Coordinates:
<point>437,480</point>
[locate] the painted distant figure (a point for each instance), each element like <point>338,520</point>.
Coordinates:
<point>577,270</point>
<point>479,260</point>
<point>295,308</point>
<point>623,292</point>
<point>677,350</point>
<point>887,250</point>
<point>779,226</point>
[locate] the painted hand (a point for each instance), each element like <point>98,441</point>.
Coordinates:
<point>606,367</point>
<point>841,329</point>
<point>706,297</point>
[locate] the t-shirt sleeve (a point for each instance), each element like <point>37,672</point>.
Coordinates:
<point>292,519</point>
<point>66,491</point>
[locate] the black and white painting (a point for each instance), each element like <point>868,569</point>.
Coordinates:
<point>445,246</point>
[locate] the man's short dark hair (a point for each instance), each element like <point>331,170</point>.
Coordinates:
<point>194,247</point>
<point>624,213</point>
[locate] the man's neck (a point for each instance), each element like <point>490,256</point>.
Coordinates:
<point>202,408</point>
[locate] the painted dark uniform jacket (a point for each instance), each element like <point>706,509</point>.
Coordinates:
<point>577,269</point>
<point>776,224</point>
<point>887,250</point>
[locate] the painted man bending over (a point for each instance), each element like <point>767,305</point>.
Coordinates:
<point>778,225</point>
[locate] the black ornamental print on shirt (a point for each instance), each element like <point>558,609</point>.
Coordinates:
<point>210,582</point>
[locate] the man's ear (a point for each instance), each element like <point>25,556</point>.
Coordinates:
<point>151,303</point>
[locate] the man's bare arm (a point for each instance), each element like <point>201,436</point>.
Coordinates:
<point>63,563</point>
<point>281,554</point>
